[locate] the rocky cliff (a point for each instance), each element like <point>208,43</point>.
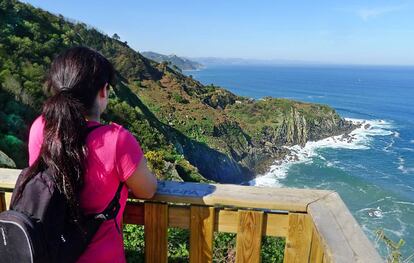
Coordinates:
<point>174,61</point>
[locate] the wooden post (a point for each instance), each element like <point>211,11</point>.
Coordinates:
<point>3,206</point>
<point>249,236</point>
<point>156,234</point>
<point>202,234</point>
<point>299,238</point>
<point>316,252</point>
<point>342,238</point>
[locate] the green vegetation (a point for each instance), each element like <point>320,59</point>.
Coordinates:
<point>394,248</point>
<point>175,62</point>
<point>278,114</point>
<point>178,98</point>
<point>14,128</point>
<point>224,246</point>
<point>35,37</point>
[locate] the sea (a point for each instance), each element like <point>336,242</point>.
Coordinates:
<point>374,172</point>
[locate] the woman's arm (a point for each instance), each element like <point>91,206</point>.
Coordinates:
<point>142,182</point>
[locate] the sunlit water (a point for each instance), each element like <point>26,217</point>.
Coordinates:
<point>373,173</point>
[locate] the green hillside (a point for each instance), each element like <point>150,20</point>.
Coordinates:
<point>174,61</point>
<point>189,131</point>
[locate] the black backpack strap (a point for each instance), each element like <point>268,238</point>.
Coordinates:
<point>91,128</point>
<point>112,209</point>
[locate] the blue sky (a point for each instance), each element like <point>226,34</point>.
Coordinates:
<point>342,32</point>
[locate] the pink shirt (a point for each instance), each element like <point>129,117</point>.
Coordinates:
<point>113,155</point>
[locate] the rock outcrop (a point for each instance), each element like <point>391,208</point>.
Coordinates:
<point>6,161</point>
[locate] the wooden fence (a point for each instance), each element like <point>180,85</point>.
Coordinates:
<point>317,225</point>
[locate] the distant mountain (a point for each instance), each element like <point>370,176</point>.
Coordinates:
<point>248,61</point>
<point>179,62</point>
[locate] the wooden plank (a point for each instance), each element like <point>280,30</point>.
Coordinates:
<point>201,234</point>
<point>316,253</point>
<point>225,221</point>
<point>237,195</point>
<point>3,205</point>
<point>249,236</point>
<point>276,225</point>
<point>8,200</point>
<point>134,213</point>
<point>299,238</point>
<point>8,179</point>
<point>179,216</point>
<point>330,233</point>
<point>156,234</point>
<point>273,224</point>
<point>217,194</point>
<point>341,236</point>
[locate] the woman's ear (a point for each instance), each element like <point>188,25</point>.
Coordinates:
<point>104,91</point>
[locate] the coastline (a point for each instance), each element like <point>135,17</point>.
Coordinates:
<point>357,139</point>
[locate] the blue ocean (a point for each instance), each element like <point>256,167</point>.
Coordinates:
<point>374,173</point>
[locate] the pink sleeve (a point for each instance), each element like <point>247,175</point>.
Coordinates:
<point>128,154</point>
<point>35,139</point>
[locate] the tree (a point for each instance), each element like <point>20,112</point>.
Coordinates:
<point>116,37</point>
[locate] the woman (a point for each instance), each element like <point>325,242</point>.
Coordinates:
<point>88,167</point>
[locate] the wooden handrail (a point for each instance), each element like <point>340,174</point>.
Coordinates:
<point>317,225</point>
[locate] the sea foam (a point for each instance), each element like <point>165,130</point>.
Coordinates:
<point>402,167</point>
<point>358,139</point>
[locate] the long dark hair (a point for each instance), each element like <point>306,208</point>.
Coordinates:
<point>74,80</point>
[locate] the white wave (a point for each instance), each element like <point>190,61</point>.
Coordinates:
<point>376,212</point>
<point>358,139</point>
<point>404,203</point>
<point>315,96</point>
<point>401,162</point>
<point>412,141</point>
<point>399,233</point>
<point>406,170</point>
<point>389,146</point>
<point>407,149</point>
<point>396,134</point>
<point>402,167</point>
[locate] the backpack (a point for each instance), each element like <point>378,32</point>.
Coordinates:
<point>38,226</point>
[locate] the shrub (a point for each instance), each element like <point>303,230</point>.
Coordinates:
<point>178,98</point>
<point>224,246</point>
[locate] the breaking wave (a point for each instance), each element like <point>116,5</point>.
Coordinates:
<point>358,139</point>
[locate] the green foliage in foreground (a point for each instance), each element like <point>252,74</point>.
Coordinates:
<point>393,248</point>
<point>13,127</point>
<point>178,246</point>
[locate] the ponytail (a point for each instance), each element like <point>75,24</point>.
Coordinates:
<point>63,150</point>
<point>75,78</point>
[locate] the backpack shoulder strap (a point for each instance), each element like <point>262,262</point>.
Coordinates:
<point>91,128</point>
<point>112,209</point>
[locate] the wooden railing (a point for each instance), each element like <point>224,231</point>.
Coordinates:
<point>317,225</point>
